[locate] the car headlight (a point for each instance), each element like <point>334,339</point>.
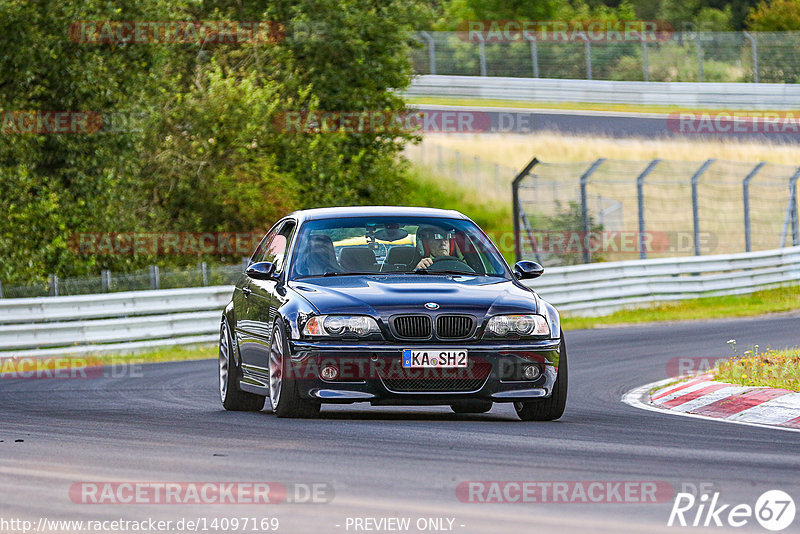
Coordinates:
<point>340,325</point>
<point>518,325</point>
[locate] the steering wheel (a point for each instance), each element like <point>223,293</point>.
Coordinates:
<point>451,262</point>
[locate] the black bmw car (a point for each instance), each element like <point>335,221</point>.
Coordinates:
<point>388,305</point>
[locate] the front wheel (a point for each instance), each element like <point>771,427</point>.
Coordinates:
<point>551,408</point>
<point>233,398</point>
<point>283,392</point>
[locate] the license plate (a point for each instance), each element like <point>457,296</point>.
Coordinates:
<point>434,358</point>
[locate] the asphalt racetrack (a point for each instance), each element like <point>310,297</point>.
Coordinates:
<point>165,424</point>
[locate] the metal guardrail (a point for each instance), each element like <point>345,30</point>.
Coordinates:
<point>772,96</point>
<point>122,322</point>
<point>600,288</point>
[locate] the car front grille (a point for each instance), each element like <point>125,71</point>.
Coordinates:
<point>441,380</point>
<point>413,326</point>
<point>453,326</point>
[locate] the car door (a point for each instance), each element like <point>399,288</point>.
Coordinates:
<point>264,298</point>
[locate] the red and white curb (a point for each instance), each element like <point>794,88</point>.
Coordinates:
<point>701,397</point>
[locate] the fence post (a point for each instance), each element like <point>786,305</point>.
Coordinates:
<point>477,169</point>
<point>105,280</point>
<point>585,208</point>
<point>695,208</point>
<point>588,59</point>
<point>700,73</point>
<point>645,61</point>
<point>440,158</point>
<point>245,263</point>
<point>431,51</point>
<point>204,273</point>
<point>535,57</point>
<point>754,47</point>
<point>1,289</point>
<point>793,200</point>
<point>155,282</point>
<point>746,202</point>
<point>458,165</point>
<point>517,211</point>
<point>53,285</point>
<point>640,199</point>
<point>496,175</point>
<point>791,211</point>
<point>482,51</point>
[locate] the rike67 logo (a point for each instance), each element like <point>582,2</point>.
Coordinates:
<point>774,510</point>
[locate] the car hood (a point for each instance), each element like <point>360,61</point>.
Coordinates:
<point>385,295</point>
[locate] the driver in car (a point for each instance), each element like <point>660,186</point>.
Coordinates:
<point>435,243</point>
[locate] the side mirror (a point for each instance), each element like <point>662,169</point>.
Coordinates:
<point>261,270</point>
<point>526,270</point>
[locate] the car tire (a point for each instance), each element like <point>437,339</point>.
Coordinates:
<point>471,406</point>
<point>231,395</point>
<point>551,408</point>
<point>283,392</point>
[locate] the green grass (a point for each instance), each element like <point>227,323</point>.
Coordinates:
<point>575,106</point>
<point>766,301</point>
<point>771,368</point>
<point>166,354</point>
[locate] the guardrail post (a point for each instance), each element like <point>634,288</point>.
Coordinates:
<point>535,57</point>
<point>204,273</point>
<point>645,61</point>
<point>482,52</point>
<point>53,285</point>
<point>746,202</point>
<point>754,47</point>
<point>517,211</point>
<point>105,280</point>
<point>695,207</point>
<point>431,51</point>
<point>155,282</point>
<point>585,208</point>
<point>640,199</point>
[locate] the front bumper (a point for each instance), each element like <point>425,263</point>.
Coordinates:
<point>372,372</point>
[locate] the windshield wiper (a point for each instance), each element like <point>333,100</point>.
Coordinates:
<point>337,273</point>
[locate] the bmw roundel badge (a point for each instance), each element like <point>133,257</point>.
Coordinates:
<point>431,305</point>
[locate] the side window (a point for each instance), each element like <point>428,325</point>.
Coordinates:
<point>262,247</point>
<point>276,248</point>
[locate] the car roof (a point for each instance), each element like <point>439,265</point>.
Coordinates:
<point>365,211</point>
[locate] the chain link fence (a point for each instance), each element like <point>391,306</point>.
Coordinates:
<point>567,213</point>
<point>684,57</point>
<point>154,277</point>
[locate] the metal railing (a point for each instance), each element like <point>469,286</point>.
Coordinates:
<point>746,96</point>
<point>569,213</point>
<point>680,57</point>
<point>136,320</point>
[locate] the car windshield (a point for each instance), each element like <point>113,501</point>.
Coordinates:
<point>419,245</point>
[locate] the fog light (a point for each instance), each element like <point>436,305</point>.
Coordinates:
<point>531,372</point>
<point>329,372</point>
